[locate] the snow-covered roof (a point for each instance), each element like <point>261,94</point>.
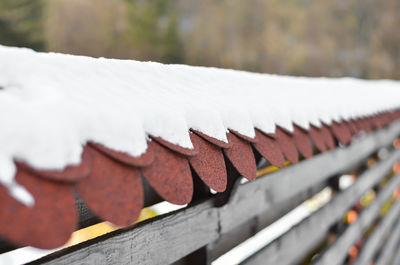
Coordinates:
<point>139,114</point>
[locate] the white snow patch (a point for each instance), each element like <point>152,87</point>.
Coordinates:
<point>52,104</point>
<point>23,255</point>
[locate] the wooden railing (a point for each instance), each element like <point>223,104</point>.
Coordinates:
<point>212,226</point>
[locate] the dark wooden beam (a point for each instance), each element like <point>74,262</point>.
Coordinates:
<point>287,250</point>
<point>337,252</point>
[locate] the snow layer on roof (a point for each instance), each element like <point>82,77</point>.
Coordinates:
<point>51,104</point>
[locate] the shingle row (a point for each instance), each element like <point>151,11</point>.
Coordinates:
<point>110,182</point>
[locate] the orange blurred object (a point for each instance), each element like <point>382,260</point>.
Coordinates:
<point>396,143</point>
<point>353,252</point>
<point>351,217</point>
<point>371,162</point>
<point>396,193</point>
<point>396,168</point>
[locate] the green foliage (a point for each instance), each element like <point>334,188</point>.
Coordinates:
<point>153,30</point>
<point>21,23</point>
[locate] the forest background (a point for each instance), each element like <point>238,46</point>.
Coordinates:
<point>358,38</point>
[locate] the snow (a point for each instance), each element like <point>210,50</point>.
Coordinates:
<point>23,255</point>
<point>52,104</point>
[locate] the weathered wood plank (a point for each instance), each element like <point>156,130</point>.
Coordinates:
<point>390,247</point>
<point>159,242</point>
<point>241,233</point>
<point>375,239</point>
<point>314,228</point>
<point>337,252</point>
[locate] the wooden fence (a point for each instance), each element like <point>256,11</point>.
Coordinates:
<point>210,227</point>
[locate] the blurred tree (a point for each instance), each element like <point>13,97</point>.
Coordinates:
<point>21,23</point>
<point>134,29</point>
<point>91,27</point>
<point>153,30</point>
<point>304,37</point>
<point>384,47</point>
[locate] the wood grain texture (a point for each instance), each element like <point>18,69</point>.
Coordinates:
<point>313,229</point>
<point>239,234</point>
<point>161,241</point>
<point>338,251</point>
